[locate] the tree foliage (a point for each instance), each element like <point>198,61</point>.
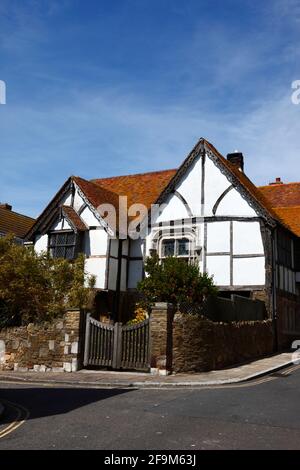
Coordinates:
<point>175,281</point>
<point>35,287</point>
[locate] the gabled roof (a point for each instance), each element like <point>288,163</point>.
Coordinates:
<point>154,187</point>
<point>141,188</point>
<point>15,223</point>
<point>73,218</point>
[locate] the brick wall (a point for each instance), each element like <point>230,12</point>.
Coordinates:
<point>44,347</point>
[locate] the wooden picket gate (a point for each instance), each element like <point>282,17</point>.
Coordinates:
<point>117,346</point>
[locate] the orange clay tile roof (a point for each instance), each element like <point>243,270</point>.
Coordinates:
<point>96,194</point>
<point>142,188</point>
<point>74,218</point>
<point>12,222</point>
<point>282,195</point>
<point>291,217</point>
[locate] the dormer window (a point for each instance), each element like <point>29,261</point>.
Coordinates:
<point>63,244</point>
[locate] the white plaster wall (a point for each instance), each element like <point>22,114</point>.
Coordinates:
<point>135,273</point>
<point>247,238</point>
<point>215,184</point>
<point>97,267</point>
<point>78,201</point>
<point>123,283</point>
<point>67,199</point>
<point>41,243</point>
<point>57,225</point>
<point>125,245</point>
<point>218,237</point>
<point>89,218</point>
<point>175,209</point>
<point>136,248</point>
<point>97,242</point>
<point>114,247</point>
<point>249,271</point>
<point>112,277</point>
<point>190,187</point>
<point>234,204</point>
<point>219,267</point>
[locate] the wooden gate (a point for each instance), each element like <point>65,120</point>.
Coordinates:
<point>117,346</point>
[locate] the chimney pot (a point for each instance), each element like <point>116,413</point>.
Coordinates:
<point>277,181</point>
<point>5,206</point>
<point>236,159</point>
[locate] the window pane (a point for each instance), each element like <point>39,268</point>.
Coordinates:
<point>60,252</point>
<point>70,238</point>
<point>168,247</point>
<point>69,252</point>
<point>60,238</point>
<point>183,247</point>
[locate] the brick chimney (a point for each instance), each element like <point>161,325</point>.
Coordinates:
<point>237,159</point>
<point>277,181</point>
<point>5,206</point>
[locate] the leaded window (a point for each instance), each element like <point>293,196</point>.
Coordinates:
<point>62,244</point>
<point>178,247</point>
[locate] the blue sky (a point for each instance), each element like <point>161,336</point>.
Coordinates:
<point>98,88</point>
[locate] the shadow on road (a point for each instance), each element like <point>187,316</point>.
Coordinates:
<point>42,402</point>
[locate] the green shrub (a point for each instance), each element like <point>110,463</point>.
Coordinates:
<point>175,281</point>
<point>35,287</point>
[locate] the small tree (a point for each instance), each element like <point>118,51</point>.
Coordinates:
<point>35,287</point>
<point>175,281</point>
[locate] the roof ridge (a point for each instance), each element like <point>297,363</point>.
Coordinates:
<point>275,185</point>
<point>18,213</point>
<point>134,174</point>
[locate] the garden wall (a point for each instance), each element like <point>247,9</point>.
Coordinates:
<point>53,346</point>
<point>191,343</point>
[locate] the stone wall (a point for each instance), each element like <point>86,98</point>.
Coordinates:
<point>190,343</point>
<point>43,347</point>
<point>201,345</point>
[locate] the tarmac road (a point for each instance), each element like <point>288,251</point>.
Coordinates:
<point>264,414</point>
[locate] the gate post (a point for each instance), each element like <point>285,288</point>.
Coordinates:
<point>117,351</point>
<point>87,340</point>
<point>161,324</point>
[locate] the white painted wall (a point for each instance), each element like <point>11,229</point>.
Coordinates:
<point>219,267</point>
<point>97,267</point>
<point>218,237</point>
<point>88,218</point>
<point>97,242</point>
<point>67,199</point>
<point>234,204</point>
<point>249,271</point>
<point>135,273</point>
<point>190,187</point>
<point>112,277</point>
<point>247,238</point>
<point>41,243</point>
<point>78,201</point>
<point>215,184</point>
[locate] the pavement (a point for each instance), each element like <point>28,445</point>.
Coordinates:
<point>115,379</point>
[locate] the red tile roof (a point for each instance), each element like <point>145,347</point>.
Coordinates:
<point>142,188</point>
<point>74,218</point>
<point>291,218</point>
<point>282,195</point>
<point>12,222</point>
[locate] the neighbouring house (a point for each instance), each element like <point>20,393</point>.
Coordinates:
<point>210,213</point>
<point>14,223</point>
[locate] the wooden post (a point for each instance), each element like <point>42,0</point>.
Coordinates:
<point>117,351</point>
